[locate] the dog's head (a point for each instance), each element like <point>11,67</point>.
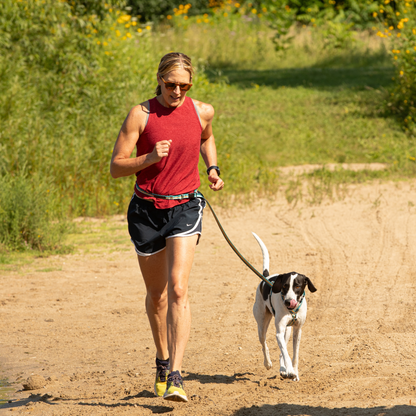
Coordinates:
<point>292,285</point>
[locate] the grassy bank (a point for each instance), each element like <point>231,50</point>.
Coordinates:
<point>59,117</point>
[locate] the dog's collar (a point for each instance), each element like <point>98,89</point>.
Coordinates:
<point>294,312</point>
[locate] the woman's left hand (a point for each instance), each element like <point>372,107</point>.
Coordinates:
<point>216,182</point>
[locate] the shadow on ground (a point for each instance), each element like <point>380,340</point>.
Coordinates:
<point>299,410</point>
<point>217,378</point>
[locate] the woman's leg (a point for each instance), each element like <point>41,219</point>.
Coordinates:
<point>155,275</point>
<point>180,254</point>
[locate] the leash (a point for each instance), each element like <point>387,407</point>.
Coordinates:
<point>197,194</point>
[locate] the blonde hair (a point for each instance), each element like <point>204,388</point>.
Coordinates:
<point>172,61</point>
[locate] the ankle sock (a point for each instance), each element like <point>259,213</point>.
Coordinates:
<point>162,362</point>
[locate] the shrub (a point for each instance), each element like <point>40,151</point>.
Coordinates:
<point>30,215</point>
<point>156,10</point>
<point>399,21</point>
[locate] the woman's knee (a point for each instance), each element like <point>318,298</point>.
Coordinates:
<point>178,293</point>
<point>157,298</point>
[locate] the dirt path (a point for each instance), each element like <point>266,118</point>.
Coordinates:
<point>79,320</point>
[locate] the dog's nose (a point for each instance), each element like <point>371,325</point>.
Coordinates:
<point>287,302</point>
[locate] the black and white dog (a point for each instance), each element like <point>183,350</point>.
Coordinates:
<point>286,301</point>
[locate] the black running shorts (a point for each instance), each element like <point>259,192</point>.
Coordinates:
<point>149,227</point>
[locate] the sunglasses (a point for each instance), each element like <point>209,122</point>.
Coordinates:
<point>172,85</point>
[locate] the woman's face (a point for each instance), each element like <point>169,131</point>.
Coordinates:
<point>175,97</point>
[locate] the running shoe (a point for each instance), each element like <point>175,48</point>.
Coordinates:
<point>162,371</point>
<point>174,390</point>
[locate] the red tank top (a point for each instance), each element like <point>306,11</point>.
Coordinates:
<point>178,172</point>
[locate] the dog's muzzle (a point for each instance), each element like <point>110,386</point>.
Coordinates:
<point>291,303</point>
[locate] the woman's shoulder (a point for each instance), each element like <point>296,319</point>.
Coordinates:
<point>141,109</point>
<point>139,115</point>
<point>206,111</point>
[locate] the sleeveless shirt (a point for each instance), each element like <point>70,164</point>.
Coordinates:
<point>178,172</point>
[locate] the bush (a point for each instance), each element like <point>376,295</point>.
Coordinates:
<point>156,10</point>
<point>30,215</point>
<point>399,21</point>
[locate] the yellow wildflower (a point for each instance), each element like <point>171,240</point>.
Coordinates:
<point>148,27</point>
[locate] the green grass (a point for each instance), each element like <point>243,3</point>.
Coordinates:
<point>310,104</point>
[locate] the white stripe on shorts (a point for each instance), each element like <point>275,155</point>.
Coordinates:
<point>192,230</point>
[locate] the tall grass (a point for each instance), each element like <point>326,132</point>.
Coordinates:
<point>60,113</point>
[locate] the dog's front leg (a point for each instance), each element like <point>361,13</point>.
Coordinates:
<point>297,334</point>
<point>263,318</point>
<point>288,331</point>
<point>286,367</point>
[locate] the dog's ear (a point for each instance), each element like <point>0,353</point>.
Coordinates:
<point>277,286</point>
<point>311,287</point>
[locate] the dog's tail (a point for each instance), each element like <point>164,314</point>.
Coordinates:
<point>265,255</point>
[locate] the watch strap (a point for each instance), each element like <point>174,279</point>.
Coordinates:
<point>214,167</point>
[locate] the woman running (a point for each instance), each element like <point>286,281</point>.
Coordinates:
<point>165,213</point>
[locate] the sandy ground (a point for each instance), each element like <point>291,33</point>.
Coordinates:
<point>79,321</point>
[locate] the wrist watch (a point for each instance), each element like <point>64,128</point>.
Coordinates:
<point>213,167</point>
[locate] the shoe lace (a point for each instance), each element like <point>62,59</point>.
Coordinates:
<point>162,371</point>
<point>175,379</point>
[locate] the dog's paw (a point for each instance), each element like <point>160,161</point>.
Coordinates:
<point>293,376</point>
<point>283,372</point>
<point>268,364</point>
<point>289,374</point>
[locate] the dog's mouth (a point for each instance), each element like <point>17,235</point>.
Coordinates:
<point>293,303</point>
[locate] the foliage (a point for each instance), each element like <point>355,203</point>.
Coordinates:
<point>63,84</point>
<point>334,17</point>
<point>156,10</point>
<point>27,208</point>
<point>71,71</point>
<point>399,21</point>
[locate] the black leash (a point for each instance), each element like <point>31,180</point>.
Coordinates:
<point>197,194</point>
<point>246,262</point>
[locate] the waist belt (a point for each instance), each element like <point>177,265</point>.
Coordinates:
<point>190,195</point>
